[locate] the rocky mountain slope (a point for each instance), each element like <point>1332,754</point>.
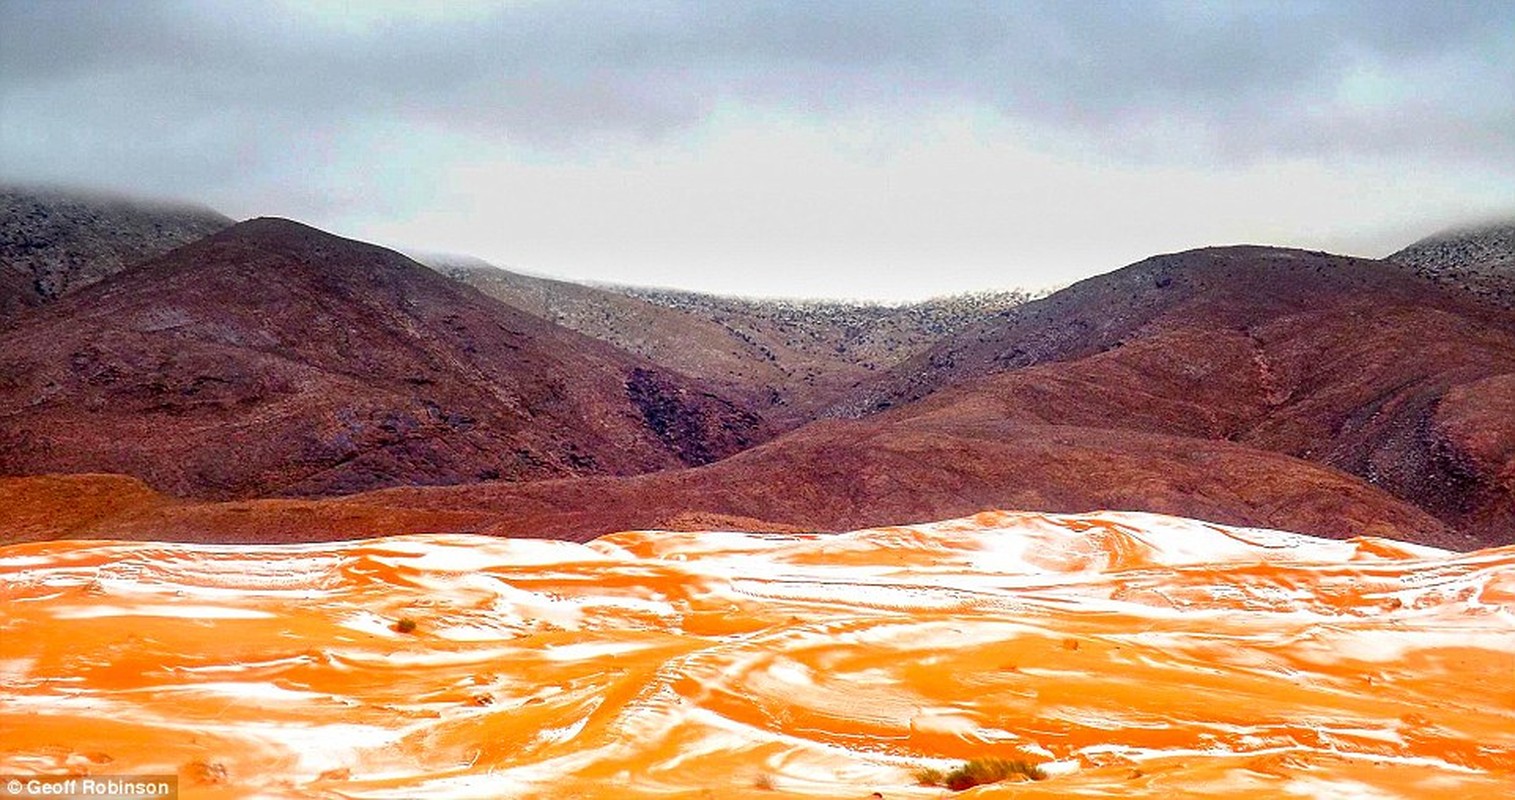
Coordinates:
<point>54,242</point>
<point>867,335</point>
<point>274,359</point>
<point>788,358</point>
<point>1341,361</point>
<point>1121,655</point>
<point>1478,259</point>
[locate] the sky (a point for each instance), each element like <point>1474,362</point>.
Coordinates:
<point>821,148</point>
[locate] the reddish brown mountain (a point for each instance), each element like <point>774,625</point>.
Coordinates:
<point>54,242</point>
<point>1346,362</point>
<point>274,359</point>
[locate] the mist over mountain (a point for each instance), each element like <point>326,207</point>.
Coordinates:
<point>1479,259</point>
<point>53,242</point>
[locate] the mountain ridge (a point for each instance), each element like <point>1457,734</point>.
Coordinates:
<point>1352,364</point>
<point>370,368</point>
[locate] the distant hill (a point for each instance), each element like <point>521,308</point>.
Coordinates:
<point>54,242</point>
<point>830,340</point>
<point>1479,259</point>
<point>789,358</point>
<point>274,359</point>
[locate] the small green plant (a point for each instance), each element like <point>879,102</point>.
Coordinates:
<point>406,625</point>
<point>978,772</point>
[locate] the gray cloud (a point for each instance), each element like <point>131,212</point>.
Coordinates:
<point>553,72</point>
<point>260,101</point>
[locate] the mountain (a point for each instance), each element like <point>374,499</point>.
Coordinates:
<point>1246,386</point>
<point>1346,362</point>
<point>789,358</point>
<point>1479,259</point>
<point>274,359</point>
<point>1129,655</point>
<point>54,242</point>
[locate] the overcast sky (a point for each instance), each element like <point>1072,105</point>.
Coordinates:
<point>871,149</point>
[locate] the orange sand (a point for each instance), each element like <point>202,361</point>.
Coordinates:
<point>1132,655</point>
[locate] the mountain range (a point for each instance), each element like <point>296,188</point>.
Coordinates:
<point>271,382</point>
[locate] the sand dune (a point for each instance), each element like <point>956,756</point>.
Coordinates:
<point>1130,655</point>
